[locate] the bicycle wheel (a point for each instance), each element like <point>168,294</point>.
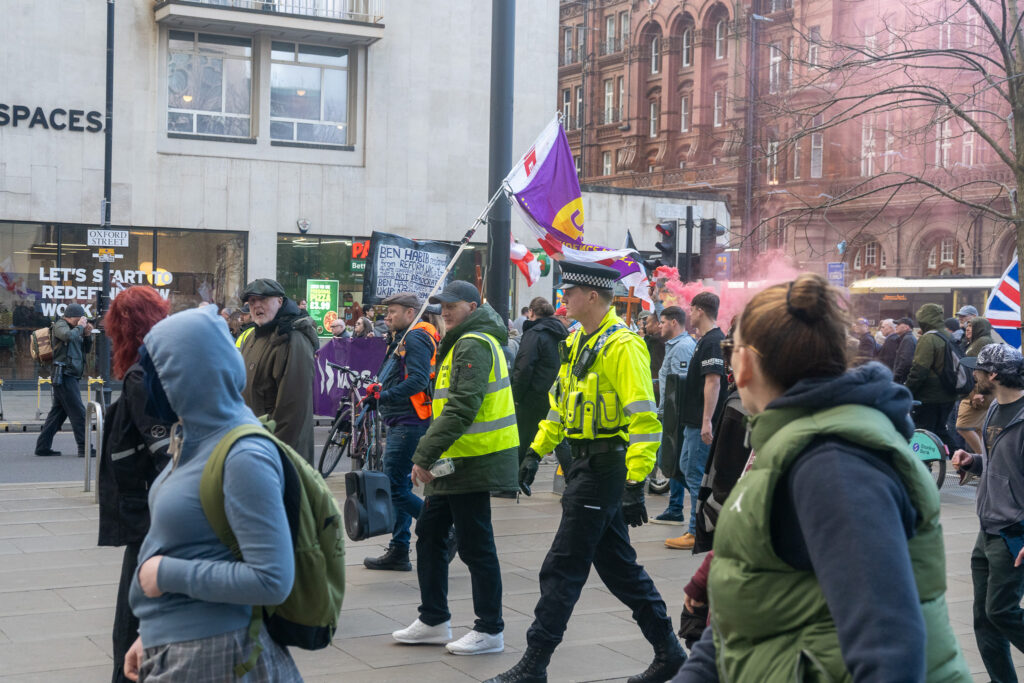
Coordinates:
<point>932,452</point>
<point>338,442</point>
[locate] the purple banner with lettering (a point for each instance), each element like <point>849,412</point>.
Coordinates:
<point>329,385</point>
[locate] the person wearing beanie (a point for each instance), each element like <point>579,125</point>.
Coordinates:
<point>936,401</point>
<point>71,338</point>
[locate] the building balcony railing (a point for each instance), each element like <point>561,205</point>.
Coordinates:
<point>357,21</point>
<point>610,46</point>
<point>613,115</point>
<point>567,57</point>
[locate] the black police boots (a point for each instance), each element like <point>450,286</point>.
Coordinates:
<point>668,657</point>
<point>395,559</point>
<point>532,668</point>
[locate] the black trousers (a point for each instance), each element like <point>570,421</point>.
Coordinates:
<point>67,404</point>
<point>126,625</point>
<point>933,416</point>
<point>998,617</point>
<point>471,515</point>
<point>593,532</point>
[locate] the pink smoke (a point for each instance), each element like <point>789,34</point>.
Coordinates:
<point>767,269</point>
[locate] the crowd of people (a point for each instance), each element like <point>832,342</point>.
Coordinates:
<point>788,435</point>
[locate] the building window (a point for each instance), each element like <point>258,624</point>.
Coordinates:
<point>813,45</point>
<point>779,5</point>
<point>624,28</point>
<point>772,158</point>
<point>774,67</point>
<point>609,101</point>
<point>720,37</point>
<point>655,55</point>
<point>881,258</point>
<point>856,260</point>
<point>943,143</point>
<point>967,149</point>
<point>609,34</point>
<point>309,93</point>
<point>971,31</point>
<point>653,130</point>
<point>780,233</point>
<point>789,65</point>
<point>650,168</point>
<point>579,106</point>
<point>209,84</point>
<point>945,31</point>
<point>889,156</point>
<point>932,262</point>
<point>961,257</point>
<point>581,42</point>
<point>684,113</point>
<point>718,114</point>
<point>871,253</point>
<point>817,148</point>
<point>946,250</point>
<point>867,148</point>
<point>687,51</point>
<point>567,46</point>
<point>606,163</point>
<point>796,159</point>
<point>567,107</point>
<point>622,98</point>
<point>576,163</point>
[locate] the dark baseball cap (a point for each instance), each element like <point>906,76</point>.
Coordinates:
<point>263,286</point>
<point>909,322</point>
<point>74,311</point>
<point>407,299</point>
<point>457,290</point>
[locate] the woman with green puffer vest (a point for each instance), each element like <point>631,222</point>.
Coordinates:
<point>829,562</point>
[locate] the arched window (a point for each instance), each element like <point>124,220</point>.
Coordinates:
<point>655,55</point>
<point>688,47</point>
<point>720,37</point>
<point>946,250</point>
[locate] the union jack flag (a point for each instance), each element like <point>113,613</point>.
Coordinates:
<point>1003,307</point>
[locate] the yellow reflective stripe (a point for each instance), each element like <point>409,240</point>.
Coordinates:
<point>644,438</point>
<point>491,425</point>
<point>492,387</point>
<point>641,407</point>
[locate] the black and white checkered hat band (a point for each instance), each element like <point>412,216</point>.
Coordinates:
<point>588,280</point>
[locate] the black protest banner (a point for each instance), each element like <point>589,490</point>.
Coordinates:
<point>398,264</point>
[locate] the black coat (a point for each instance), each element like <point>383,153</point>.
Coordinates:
<point>904,357</point>
<point>537,362</point>
<point>134,450</point>
<point>887,354</point>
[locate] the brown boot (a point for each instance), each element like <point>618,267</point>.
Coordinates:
<point>684,542</point>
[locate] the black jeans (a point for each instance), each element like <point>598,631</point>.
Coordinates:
<point>126,625</point>
<point>932,416</point>
<point>593,532</point>
<point>998,617</point>
<point>67,403</point>
<point>471,515</point>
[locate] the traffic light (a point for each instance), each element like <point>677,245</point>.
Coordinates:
<point>668,247</point>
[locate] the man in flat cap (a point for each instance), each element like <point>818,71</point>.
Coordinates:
<point>278,357</point>
<point>71,337</point>
<point>404,404</point>
<point>603,403</point>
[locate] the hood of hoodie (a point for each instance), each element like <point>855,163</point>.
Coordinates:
<point>290,317</point>
<point>201,371</point>
<point>550,325</point>
<point>485,320</point>
<point>929,317</point>
<point>870,385</point>
<point>980,327</point>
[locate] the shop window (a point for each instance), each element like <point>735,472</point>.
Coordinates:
<point>309,94</point>
<point>209,84</point>
<point>206,265</point>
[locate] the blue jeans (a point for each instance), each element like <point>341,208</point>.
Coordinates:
<point>401,444</point>
<point>691,463</point>
<point>676,495</point>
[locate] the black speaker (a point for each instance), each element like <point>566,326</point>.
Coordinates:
<point>368,510</point>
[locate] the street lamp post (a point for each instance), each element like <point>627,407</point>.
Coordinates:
<point>103,341</point>
<point>499,222</point>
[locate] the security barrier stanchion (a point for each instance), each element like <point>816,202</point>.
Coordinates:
<point>1,399</point>
<point>88,388</point>
<point>40,381</point>
<point>93,408</point>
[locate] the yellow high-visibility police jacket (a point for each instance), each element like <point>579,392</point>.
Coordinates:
<point>614,400</point>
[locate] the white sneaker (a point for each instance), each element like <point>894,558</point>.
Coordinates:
<point>420,633</point>
<point>476,643</point>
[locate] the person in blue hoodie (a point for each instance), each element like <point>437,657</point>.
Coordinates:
<point>192,597</point>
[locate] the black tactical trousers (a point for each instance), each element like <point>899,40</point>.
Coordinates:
<point>593,532</point>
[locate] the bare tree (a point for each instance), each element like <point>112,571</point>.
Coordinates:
<point>902,81</point>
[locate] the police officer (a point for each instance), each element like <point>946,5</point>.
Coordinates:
<point>603,402</point>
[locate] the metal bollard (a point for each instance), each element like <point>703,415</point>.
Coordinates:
<point>40,381</point>
<point>90,409</point>
<point>88,388</point>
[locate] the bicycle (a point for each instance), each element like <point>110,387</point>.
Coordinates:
<point>932,452</point>
<point>357,434</point>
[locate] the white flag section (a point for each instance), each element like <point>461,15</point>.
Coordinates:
<point>527,263</point>
<point>522,173</point>
<point>633,277</point>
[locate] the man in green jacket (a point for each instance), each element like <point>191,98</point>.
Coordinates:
<point>278,359</point>
<point>924,380</point>
<point>71,339</point>
<point>470,449</point>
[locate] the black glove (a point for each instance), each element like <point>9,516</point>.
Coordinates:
<point>633,509</point>
<point>527,471</point>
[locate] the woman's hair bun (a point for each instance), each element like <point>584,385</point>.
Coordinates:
<point>808,298</point>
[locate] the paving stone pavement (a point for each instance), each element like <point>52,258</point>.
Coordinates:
<point>57,591</point>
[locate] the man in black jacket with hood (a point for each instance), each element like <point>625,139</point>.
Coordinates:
<point>536,367</point>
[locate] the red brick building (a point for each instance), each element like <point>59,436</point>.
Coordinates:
<point>655,95</point>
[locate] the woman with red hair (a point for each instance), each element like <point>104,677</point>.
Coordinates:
<point>134,450</point>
